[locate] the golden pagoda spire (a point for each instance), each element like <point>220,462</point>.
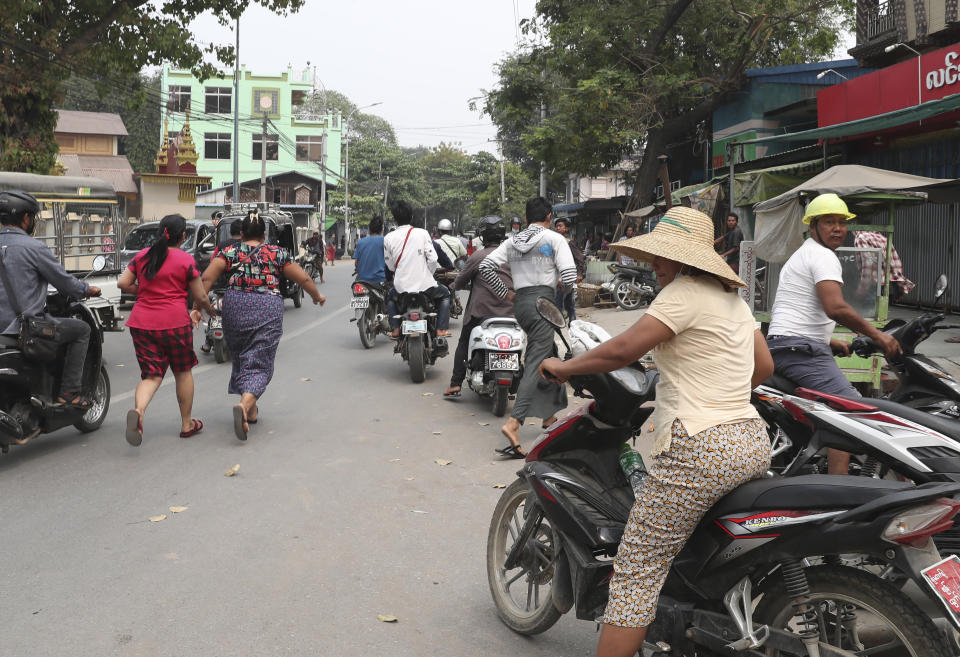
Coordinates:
<point>187,152</point>
<point>161,161</point>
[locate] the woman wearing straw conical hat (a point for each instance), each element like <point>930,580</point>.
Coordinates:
<point>705,437</point>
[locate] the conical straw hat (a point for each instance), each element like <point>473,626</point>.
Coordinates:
<point>684,235</point>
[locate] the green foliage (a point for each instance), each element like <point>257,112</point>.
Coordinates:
<point>616,74</point>
<point>44,42</point>
<point>519,187</point>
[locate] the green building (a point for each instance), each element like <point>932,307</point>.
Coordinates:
<point>294,136</point>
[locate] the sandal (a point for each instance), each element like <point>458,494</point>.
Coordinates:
<point>254,421</point>
<point>197,428</point>
<point>134,428</point>
<point>239,420</point>
<point>954,340</point>
<point>205,348</point>
<point>450,393</point>
<point>511,451</point>
<point>74,399</point>
<point>444,334</point>
<point>546,424</point>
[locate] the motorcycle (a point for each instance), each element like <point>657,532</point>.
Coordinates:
<point>631,286</point>
<point>494,360</point>
<point>419,344</point>
<point>369,303</point>
<point>446,277</point>
<point>556,529</point>
<point>214,333</point>
<point>28,388</point>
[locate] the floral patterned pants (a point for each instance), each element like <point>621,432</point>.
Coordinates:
<point>684,482</point>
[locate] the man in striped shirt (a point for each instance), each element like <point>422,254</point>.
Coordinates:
<point>538,258</point>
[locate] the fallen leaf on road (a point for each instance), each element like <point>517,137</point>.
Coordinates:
<point>472,414</point>
<point>410,478</point>
<point>437,433</point>
<point>387,618</point>
<point>119,364</point>
<point>306,378</point>
<point>531,422</point>
<point>418,511</point>
<point>442,461</point>
<point>394,460</point>
<point>428,394</point>
<point>178,509</point>
<point>484,424</point>
<point>158,518</point>
<point>232,471</point>
<point>499,485</point>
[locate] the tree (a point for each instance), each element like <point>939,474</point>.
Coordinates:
<point>621,77</point>
<point>142,119</point>
<point>519,187</point>
<point>43,43</point>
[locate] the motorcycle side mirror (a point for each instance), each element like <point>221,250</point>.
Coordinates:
<point>549,311</point>
<point>99,263</point>
<point>940,287</point>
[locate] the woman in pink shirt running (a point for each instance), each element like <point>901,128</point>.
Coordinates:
<point>160,325</point>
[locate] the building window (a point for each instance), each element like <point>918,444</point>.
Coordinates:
<point>309,148</point>
<point>273,95</point>
<point>218,100</point>
<point>273,144</point>
<point>178,98</point>
<point>216,146</point>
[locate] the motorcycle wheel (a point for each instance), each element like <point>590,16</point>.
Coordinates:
<point>417,359</point>
<point>500,396</point>
<point>626,298</point>
<point>298,297</point>
<point>99,405</point>
<point>885,621</point>
<point>528,609</point>
<point>368,330</point>
<point>311,271</point>
<point>220,350</point>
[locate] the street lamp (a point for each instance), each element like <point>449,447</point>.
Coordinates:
<point>830,70</point>
<point>346,131</point>
<point>893,47</point>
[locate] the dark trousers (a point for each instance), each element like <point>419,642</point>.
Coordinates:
<point>460,358</point>
<point>566,302</point>
<point>74,333</point>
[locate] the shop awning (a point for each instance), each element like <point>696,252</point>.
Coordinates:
<point>871,124</point>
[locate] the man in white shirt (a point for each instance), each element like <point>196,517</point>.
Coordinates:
<point>452,246</point>
<point>810,303</point>
<point>538,258</point>
<point>408,252</point>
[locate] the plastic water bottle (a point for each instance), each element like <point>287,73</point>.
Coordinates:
<point>632,464</point>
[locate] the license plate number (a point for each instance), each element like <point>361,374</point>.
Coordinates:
<point>419,326</point>
<point>505,362</point>
<point>216,322</point>
<point>359,302</point>
<point>944,579</point>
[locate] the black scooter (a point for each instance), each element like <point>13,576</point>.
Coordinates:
<point>369,302</point>
<point>419,344</point>
<point>28,388</point>
<point>557,528</point>
<point>632,286</point>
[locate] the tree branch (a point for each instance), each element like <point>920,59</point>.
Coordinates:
<point>86,38</point>
<point>666,24</point>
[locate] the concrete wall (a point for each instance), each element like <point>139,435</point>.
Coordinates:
<point>161,199</point>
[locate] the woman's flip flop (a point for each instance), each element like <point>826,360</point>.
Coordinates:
<point>194,430</point>
<point>238,422</point>
<point>134,428</point>
<point>511,451</point>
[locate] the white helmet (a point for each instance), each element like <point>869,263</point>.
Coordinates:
<point>445,226</point>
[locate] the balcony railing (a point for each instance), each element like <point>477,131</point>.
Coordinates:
<point>879,20</point>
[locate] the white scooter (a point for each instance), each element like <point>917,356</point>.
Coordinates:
<point>494,360</point>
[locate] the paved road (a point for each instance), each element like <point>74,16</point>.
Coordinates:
<point>338,514</point>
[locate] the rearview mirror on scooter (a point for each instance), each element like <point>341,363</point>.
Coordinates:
<point>99,264</point>
<point>549,311</point>
<point>941,286</point>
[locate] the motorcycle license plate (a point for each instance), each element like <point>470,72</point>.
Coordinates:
<point>505,362</point>
<point>944,579</point>
<point>216,322</point>
<point>420,326</point>
<point>359,302</point>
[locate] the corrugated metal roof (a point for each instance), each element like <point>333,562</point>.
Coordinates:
<point>90,123</point>
<point>115,169</point>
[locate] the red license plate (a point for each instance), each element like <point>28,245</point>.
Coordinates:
<point>944,578</point>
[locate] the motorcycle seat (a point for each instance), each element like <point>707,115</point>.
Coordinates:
<point>509,322</point>
<point>805,492</point>
<point>946,426</point>
<point>9,341</point>
<point>781,383</point>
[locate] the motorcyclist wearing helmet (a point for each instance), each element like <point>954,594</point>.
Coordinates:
<point>30,267</point>
<point>810,303</point>
<point>483,302</point>
<point>515,224</point>
<point>451,246</point>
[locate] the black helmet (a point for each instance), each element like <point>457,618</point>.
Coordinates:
<point>15,203</point>
<point>492,230</point>
<point>516,220</point>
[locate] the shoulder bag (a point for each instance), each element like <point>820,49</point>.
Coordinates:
<point>39,335</point>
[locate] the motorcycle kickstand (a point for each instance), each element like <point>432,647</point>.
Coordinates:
<point>739,604</point>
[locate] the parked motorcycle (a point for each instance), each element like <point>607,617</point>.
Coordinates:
<point>369,303</point>
<point>215,337</point>
<point>419,344</point>
<point>28,388</point>
<point>632,286</point>
<point>556,529</point>
<point>495,360</point>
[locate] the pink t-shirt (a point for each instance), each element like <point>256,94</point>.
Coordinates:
<point>162,300</point>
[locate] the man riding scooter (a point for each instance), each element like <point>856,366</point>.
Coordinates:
<point>30,267</point>
<point>483,302</point>
<point>810,303</point>
<point>452,247</point>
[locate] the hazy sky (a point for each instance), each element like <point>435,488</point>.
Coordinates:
<point>424,59</point>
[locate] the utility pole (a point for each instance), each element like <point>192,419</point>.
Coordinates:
<point>236,120</point>
<point>323,177</point>
<point>503,186</point>
<point>386,196</point>
<point>263,159</point>
<point>543,165</point>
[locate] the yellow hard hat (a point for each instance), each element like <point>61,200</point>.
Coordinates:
<point>826,204</point>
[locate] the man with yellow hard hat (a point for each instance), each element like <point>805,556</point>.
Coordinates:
<point>810,303</point>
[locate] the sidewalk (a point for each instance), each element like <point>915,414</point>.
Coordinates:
<point>945,354</point>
